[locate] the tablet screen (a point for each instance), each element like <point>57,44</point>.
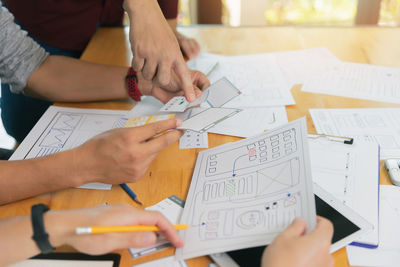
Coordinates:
<point>343,227</point>
<point>70,260</point>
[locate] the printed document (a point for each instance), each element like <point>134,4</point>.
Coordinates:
<point>258,77</point>
<point>361,81</point>
<point>252,121</point>
<point>351,174</point>
<point>245,193</point>
<point>380,125</point>
<point>388,252</point>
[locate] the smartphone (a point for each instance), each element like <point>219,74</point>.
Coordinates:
<point>393,168</point>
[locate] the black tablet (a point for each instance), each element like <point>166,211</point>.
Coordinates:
<point>71,260</point>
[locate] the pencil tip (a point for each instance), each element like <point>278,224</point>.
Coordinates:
<point>138,201</point>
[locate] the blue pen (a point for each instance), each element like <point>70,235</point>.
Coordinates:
<point>131,193</point>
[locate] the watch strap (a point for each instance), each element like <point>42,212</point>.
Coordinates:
<point>132,85</point>
<point>40,236</point>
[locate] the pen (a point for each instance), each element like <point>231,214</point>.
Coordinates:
<point>123,229</point>
<point>131,193</point>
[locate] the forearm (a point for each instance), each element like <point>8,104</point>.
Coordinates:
<point>16,241</point>
<point>65,79</point>
<point>26,178</point>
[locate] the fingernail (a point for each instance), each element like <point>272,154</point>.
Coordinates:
<point>191,97</point>
<point>178,122</point>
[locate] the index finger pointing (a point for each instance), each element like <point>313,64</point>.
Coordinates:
<point>184,75</point>
<point>142,133</point>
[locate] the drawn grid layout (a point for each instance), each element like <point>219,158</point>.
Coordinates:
<point>244,193</point>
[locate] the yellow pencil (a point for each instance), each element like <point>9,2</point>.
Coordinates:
<point>123,228</point>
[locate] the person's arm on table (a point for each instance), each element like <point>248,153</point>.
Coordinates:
<point>294,248</point>
<point>114,157</point>
<point>16,243</point>
<point>155,49</point>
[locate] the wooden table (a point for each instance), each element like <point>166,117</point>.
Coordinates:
<point>171,174</point>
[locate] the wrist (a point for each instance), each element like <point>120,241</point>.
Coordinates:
<point>132,85</point>
<point>61,226</point>
<point>56,226</point>
<point>132,7</point>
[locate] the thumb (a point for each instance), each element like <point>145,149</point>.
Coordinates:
<point>297,228</point>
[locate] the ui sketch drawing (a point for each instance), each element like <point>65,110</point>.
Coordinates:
<point>243,194</point>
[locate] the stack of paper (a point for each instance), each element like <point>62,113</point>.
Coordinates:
<point>388,252</point>
<point>376,125</point>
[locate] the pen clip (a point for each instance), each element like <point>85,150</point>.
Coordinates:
<point>340,139</point>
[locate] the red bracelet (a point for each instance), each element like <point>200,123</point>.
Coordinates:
<point>132,85</point>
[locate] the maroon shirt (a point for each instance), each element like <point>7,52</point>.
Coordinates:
<point>70,24</point>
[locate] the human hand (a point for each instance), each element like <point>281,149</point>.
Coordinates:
<point>189,46</point>
<point>61,228</point>
<point>123,155</point>
<point>294,248</point>
<point>174,88</point>
<point>155,49</point>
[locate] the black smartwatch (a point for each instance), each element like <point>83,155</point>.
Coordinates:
<point>40,236</point>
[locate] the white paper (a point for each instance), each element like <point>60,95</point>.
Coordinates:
<point>171,208</point>
<point>300,65</point>
<point>205,66</point>
<point>192,139</point>
<point>175,104</point>
<point>258,77</point>
<point>61,128</point>
<point>380,125</point>
<point>216,95</point>
<point>252,121</point>
<point>164,262</point>
<point>351,174</point>
<point>207,119</point>
<point>148,106</point>
<point>388,252</point>
<point>360,81</point>
<point>245,193</point>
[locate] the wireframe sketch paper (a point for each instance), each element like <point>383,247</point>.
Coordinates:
<point>361,81</point>
<point>244,193</point>
<point>216,95</point>
<point>207,119</point>
<point>252,121</point>
<point>258,77</point>
<point>351,174</point>
<point>388,252</point>
<point>192,139</point>
<point>205,66</point>
<point>143,120</point>
<point>61,128</point>
<point>171,208</point>
<point>300,65</point>
<point>377,125</point>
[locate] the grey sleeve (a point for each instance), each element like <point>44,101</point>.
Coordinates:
<point>19,54</point>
